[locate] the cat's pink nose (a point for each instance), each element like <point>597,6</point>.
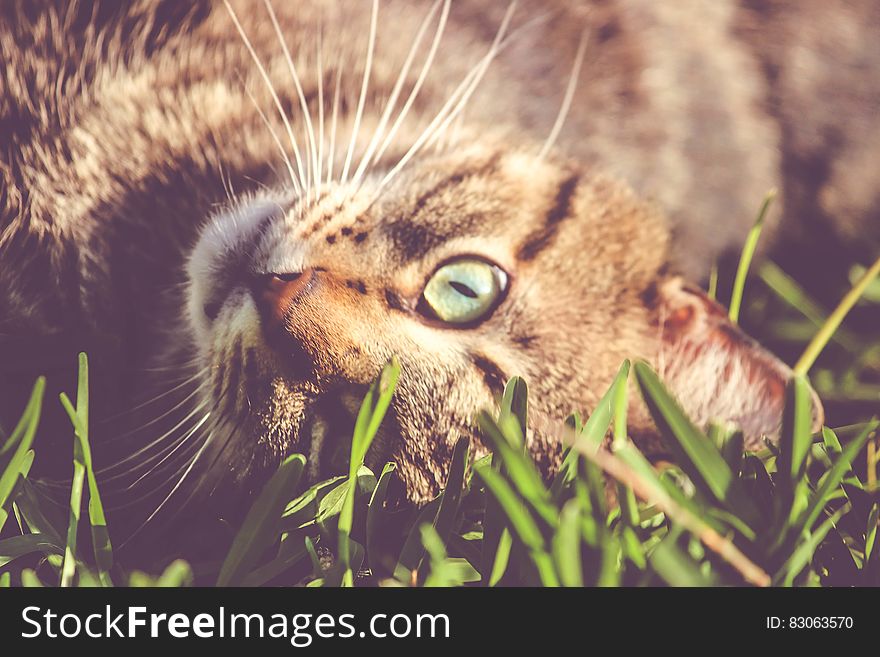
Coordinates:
<point>276,293</point>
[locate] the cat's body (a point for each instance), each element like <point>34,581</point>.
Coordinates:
<point>123,130</point>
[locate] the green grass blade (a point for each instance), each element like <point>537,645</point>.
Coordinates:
<point>29,579</point>
<point>501,558</point>
<point>632,457</point>
<point>451,497</point>
<point>519,467</point>
<point>567,545</point>
<point>626,498</point>
<point>68,569</point>
<point>712,291</point>
<point>594,429</point>
<point>522,524</point>
<point>31,409</point>
<point>494,555</point>
<point>82,452</point>
<point>24,467</point>
<point>794,445</point>
<point>413,552</point>
<point>444,571</point>
<point>18,546</point>
<point>803,553</point>
<point>177,574</point>
<point>696,453</point>
<point>497,541</point>
<point>676,566</point>
<point>515,401</point>
<point>30,420</point>
<point>729,441</point>
<point>309,507</point>
<point>377,517</point>
<point>437,554</point>
<point>289,555</point>
<point>447,503</point>
<point>841,466</point>
<point>871,532</point>
<point>260,528</point>
<point>366,426</point>
<point>796,436</point>
<point>817,344</point>
<point>745,259</point>
<point>39,514</point>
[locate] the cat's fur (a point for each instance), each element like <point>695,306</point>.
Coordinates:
<point>142,194</point>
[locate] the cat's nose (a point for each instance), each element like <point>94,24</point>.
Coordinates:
<point>274,294</point>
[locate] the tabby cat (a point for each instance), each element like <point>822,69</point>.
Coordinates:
<point>242,211</point>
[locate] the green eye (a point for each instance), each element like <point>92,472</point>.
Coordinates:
<point>464,291</point>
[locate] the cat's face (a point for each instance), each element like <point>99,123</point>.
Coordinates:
<point>469,267</point>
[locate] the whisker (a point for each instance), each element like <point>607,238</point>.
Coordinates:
<point>170,368</point>
<point>269,86</point>
<point>310,130</point>
<point>154,399</point>
<point>226,188</point>
<point>258,183</point>
<point>319,165</point>
<point>461,93</point>
<point>395,92</point>
<point>293,179</point>
<point>477,77</point>
<point>331,154</point>
<point>172,446</point>
<point>231,433</point>
<point>568,97</point>
<point>180,444</point>
<point>423,75</point>
<point>151,444</point>
<point>374,18</point>
<point>167,497</point>
<point>186,471</point>
<point>154,420</point>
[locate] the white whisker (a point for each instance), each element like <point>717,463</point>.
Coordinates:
<point>177,366</point>
<point>477,77</point>
<point>170,494</point>
<point>331,154</point>
<point>455,102</point>
<point>310,129</point>
<point>154,399</point>
<point>571,87</point>
<point>423,74</point>
<point>151,444</point>
<point>293,178</point>
<point>269,86</point>
<point>154,420</point>
<point>374,18</point>
<point>320,59</point>
<point>395,92</point>
<point>226,188</point>
<point>179,444</point>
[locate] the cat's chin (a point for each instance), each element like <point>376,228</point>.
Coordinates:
<point>326,435</point>
<point>293,418</point>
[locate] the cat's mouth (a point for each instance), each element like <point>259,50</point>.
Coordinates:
<point>326,435</point>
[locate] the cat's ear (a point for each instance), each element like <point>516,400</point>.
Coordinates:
<point>715,369</point>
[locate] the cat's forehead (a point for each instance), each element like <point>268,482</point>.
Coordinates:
<point>490,194</point>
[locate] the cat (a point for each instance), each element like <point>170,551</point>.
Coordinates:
<point>242,211</point>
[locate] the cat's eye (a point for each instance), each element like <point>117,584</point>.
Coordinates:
<point>464,291</point>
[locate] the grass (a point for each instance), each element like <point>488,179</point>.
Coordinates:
<point>802,513</point>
